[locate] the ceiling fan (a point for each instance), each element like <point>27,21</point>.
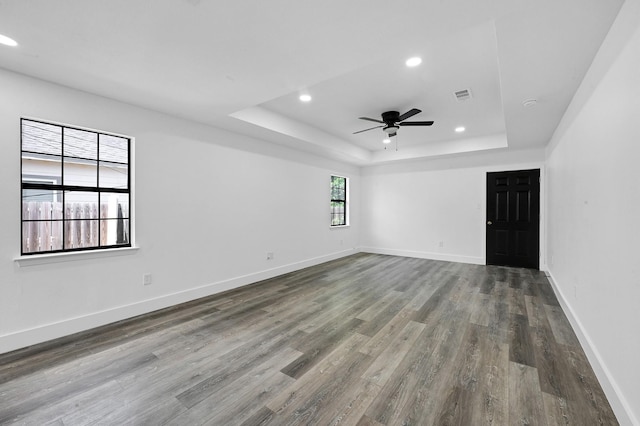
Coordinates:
<point>392,120</point>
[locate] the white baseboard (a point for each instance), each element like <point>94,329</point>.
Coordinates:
<point>618,402</point>
<point>425,255</point>
<point>40,334</point>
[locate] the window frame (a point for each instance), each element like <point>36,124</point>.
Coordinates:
<point>60,189</point>
<point>345,202</point>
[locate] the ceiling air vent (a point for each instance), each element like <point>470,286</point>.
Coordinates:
<point>462,95</point>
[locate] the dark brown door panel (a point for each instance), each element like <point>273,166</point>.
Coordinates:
<point>513,218</point>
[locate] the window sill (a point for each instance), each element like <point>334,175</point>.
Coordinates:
<point>339,226</point>
<point>44,259</point>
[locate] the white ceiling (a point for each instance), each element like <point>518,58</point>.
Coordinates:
<point>241,65</point>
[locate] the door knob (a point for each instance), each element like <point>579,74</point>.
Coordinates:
<point>489,222</point>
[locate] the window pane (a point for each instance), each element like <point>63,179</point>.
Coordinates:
<point>338,188</point>
<point>115,212</point>
<point>41,138</point>
<point>81,219</point>
<point>41,168</point>
<point>41,236</point>
<point>114,231</point>
<point>80,144</point>
<point>80,172</point>
<point>114,149</point>
<point>114,175</point>
<point>80,205</point>
<point>337,220</point>
<point>81,233</point>
<point>41,221</point>
<point>39,196</point>
<point>114,205</point>
<point>338,213</point>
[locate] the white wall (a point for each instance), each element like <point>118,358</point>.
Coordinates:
<point>594,213</point>
<point>435,209</point>
<point>209,205</point>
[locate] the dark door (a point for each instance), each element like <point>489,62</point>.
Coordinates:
<point>513,218</point>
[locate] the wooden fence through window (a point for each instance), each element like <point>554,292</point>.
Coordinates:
<point>43,223</point>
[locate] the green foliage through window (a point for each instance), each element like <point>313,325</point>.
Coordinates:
<point>338,201</point>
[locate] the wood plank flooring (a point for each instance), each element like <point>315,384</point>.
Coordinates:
<point>363,340</point>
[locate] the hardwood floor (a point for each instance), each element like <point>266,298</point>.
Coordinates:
<point>364,340</point>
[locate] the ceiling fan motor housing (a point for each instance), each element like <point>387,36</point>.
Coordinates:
<point>391,117</point>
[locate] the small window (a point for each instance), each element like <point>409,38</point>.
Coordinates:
<point>76,189</point>
<point>338,201</point>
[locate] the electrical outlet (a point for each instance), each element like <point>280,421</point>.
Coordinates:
<point>146,279</point>
<point>269,255</point>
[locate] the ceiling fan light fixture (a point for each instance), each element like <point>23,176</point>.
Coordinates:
<point>386,140</point>
<point>391,130</point>
<point>413,62</point>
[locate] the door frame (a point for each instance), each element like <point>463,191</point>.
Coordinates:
<point>543,208</point>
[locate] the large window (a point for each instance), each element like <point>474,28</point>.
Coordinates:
<point>338,201</point>
<point>76,189</point>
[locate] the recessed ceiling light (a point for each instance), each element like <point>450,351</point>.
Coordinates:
<point>460,129</point>
<point>305,98</point>
<point>413,62</point>
<point>7,41</point>
<point>387,140</point>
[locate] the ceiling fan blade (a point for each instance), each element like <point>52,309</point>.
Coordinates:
<point>416,123</point>
<point>371,119</point>
<point>366,130</point>
<point>409,113</point>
